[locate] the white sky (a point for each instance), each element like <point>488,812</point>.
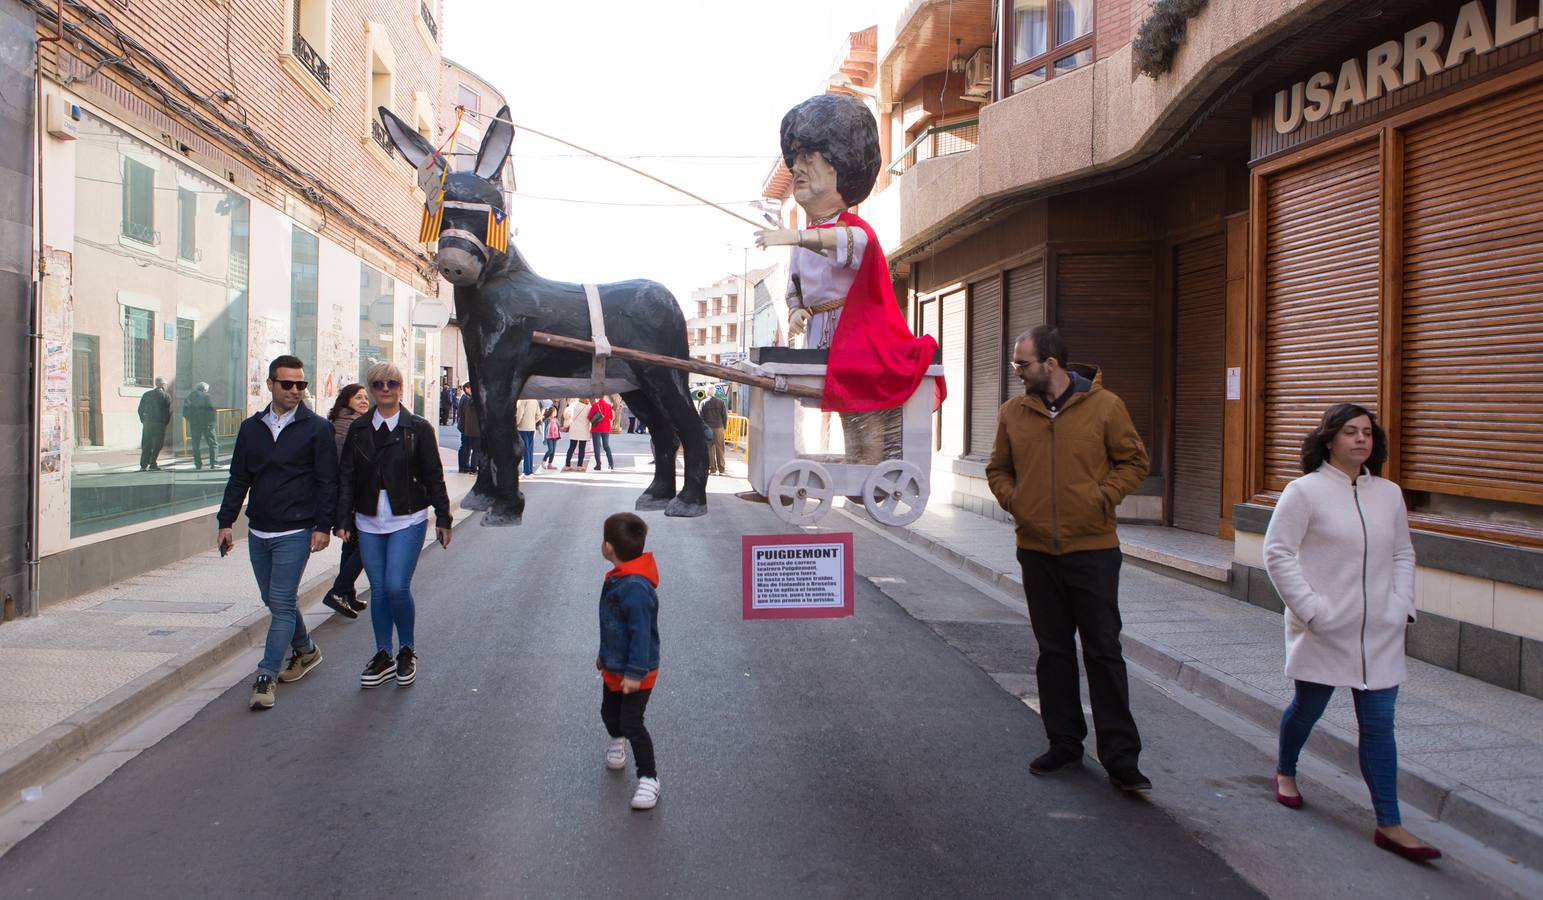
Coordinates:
<point>672,78</point>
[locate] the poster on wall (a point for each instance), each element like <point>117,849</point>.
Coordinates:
<point>338,362</point>
<point>58,331</point>
<point>266,342</point>
<point>51,457</point>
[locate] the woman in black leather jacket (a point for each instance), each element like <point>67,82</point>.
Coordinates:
<point>390,474</point>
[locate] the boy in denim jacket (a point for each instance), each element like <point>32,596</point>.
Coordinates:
<point>629,650</point>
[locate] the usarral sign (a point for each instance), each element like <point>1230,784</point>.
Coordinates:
<point>1424,51</point>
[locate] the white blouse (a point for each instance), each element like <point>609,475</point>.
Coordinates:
<point>816,277</point>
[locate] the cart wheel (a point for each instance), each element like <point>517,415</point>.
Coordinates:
<point>800,492</point>
<point>895,493</point>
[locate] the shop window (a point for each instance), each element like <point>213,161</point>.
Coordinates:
<point>138,347</point>
<point>377,310</point>
<point>133,323</point>
<point>1045,38</point>
<point>187,225</point>
<point>138,201</point>
<point>304,274</point>
<point>420,370</point>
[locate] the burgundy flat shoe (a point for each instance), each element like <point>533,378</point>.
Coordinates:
<point>1417,854</point>
<point>1283,800</point>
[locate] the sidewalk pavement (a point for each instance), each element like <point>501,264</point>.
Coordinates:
<point>85,668</point>
<point>1470,753</point>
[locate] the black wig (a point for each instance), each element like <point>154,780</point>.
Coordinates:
<point>841,129</point>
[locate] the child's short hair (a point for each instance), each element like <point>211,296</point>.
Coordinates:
<point>626,533</point>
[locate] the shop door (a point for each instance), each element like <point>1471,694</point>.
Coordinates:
<point>1472,350</point>
<point>1200,287</point>
<point>85,381</point>
<point>1322,242</point>
<point>1104,311</point>
<point>930,326</point>
<point>986,365</point>
<point>955,339</point>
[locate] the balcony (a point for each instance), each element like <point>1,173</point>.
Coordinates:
<point>428,19</point>
<point>312,61</point>
<point>378,132</point>
<point>939,140</point>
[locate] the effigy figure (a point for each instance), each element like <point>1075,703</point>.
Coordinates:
<point>839,292</point>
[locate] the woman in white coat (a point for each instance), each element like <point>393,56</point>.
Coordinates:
<point>1339,555</point>
<point>578,434</point>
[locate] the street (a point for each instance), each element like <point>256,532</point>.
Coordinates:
<point>856,757</point>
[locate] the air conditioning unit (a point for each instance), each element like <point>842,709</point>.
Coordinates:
<point>977,76</point>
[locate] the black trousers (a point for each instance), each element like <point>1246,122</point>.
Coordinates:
<point>152,437</point>
<point>1070,595</point>
<point>203,436</point>
<point>623,717</point>
<point>469,457</point>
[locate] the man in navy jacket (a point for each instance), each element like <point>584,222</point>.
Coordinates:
<point>286,458</point>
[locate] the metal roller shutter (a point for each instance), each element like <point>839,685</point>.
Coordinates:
<point>931,326</point>
<point>1200,288</point>
<point>1472,352</point>
<point>955,338</point>
<point>1104,310</point>
<point>1322,224</point>
<point>987,366</point>
<point>1025,299</point>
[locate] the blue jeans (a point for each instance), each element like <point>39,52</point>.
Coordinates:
<point>551,451</point>
<point>1378,749</point>
<point>278,564</point>
<point>389,561</point>
<point>528,439</point>
<point>603,442</point>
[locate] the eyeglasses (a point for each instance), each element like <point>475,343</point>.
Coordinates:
<point>1019,365</point>
<point>288,385</point>
<point>385,385</point>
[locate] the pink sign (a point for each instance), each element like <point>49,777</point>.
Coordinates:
<point>797,576</point>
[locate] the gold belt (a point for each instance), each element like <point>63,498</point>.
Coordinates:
<point>827,306</point>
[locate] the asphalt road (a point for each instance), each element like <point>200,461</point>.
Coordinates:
<point>862,757</point>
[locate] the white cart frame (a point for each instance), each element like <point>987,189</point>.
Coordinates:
<point>802,487</point>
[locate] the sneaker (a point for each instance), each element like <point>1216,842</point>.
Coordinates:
<point>300,663</point>
<point>339,604</point>
<point>262,692</point>
<point>1053,760</point>
<point>406,666</point>
<point>380,669</point>
<point>1129,779</point>
<point>647,795</point>
<point>616,754</point>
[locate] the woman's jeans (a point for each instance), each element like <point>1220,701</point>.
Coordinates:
<point>528,442</point>
<point>603,442</point>
<point>551,451</point>
<point>278,564</point>
<point>1378,750</point>
<point>389,560</point>
<point>571,445</point>
<point>349,567</point>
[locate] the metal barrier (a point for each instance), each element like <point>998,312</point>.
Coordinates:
<point>737,433</point>
<point>227,421</point>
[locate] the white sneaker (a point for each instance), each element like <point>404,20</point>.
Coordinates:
<point>647,795</point>
<point>616,754</point>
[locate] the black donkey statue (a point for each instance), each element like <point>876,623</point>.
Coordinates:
<point>500,302</point>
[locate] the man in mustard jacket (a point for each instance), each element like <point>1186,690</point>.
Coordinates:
<point>1066,454</point>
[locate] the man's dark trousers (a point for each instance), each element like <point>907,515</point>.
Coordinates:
<point>1078,594</point>
<point>152,437</point>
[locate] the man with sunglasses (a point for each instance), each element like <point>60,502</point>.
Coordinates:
<point>285,467</point>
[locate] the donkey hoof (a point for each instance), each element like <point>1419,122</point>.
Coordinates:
<point>651,504</point>
<point>498,519</point>
<point>682,509</point>
<point>476,502</point>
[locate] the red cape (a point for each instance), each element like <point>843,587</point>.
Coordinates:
<point>875,360</point>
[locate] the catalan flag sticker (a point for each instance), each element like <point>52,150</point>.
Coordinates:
<point>498,230</point>
<point>433,218</point>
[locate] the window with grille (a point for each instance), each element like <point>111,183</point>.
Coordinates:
<point>187,225</point>
<point>138,201</point>
<point>138,347</point>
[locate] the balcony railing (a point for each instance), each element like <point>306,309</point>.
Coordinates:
<point>939,140</point>
<point>428,19</point>
<point>378,132</point>
<point>312,61</point>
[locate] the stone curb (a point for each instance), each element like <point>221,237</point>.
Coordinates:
<point>40,757</point>
<point>1456,804</point>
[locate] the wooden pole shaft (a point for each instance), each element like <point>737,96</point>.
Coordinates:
<point>673,362</point>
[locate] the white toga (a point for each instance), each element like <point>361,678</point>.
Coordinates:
<point>816,278</point>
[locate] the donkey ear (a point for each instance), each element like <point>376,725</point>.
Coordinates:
<point>414,148</point>
<point>495,145</point>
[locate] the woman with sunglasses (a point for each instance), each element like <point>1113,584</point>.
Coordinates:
<point>390,476</point>
<point>353,401</point>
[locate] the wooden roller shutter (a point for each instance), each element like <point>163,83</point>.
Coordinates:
<point>1104,311</point>
<point>1322,224</point>
<point>955,339</point>
<point>1472,361</point>
<point>1200,288</point>
<point>987,366</point>
<point>1025,299</point>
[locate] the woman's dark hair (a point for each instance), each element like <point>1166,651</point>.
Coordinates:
<point>1315,449</point>
<point>345,397</point>
<point>841,129</point>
